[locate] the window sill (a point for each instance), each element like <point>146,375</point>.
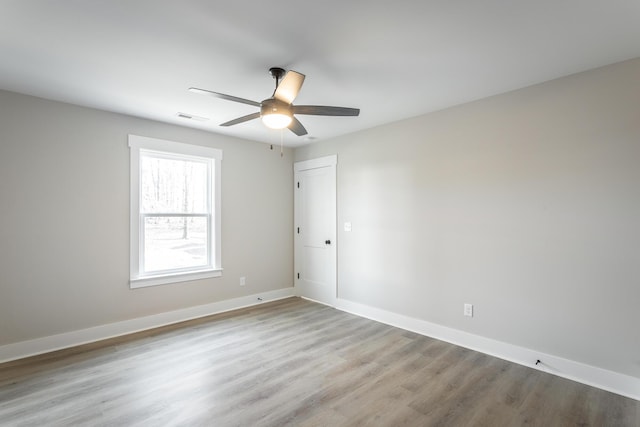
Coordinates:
<point>166,279</point>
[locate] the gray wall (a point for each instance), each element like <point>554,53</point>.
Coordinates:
<point>64,219</point>
<point>526,205</point>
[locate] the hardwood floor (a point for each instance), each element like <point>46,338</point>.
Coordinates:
<point>294,363</point>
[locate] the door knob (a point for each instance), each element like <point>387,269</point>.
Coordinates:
<point>327,242</point>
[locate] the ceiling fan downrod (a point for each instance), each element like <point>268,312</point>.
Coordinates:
<point>277,73</point>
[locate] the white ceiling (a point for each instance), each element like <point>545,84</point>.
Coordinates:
<point>392,59</point>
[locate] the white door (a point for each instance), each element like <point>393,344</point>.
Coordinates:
<point>315,229</point>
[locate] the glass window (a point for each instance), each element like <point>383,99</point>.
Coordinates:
<point>175,205</point>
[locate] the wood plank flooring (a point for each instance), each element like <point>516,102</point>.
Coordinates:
<point>292,363</point>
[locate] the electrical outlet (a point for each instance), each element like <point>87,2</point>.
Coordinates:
<point>468,310</point>
<point>243,281</point>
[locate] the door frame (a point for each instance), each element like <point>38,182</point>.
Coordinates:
<point>298,167</point>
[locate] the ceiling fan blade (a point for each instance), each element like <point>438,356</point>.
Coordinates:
<point>289,87</point>
<point>297,128</point>
<point>241,119</point>
<point>322,110</point>
<point>223,96</point>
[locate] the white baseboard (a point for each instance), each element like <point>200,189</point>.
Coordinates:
<point>33,347</point>
<point>614,382</point>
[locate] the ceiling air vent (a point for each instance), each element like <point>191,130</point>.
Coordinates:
<point>192,117</point>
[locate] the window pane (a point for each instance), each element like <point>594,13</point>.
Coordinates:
<point>173,185</point>
<point>172,243</point>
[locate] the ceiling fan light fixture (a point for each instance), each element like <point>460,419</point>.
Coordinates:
<point>276,120</point>
<point>275,114</point>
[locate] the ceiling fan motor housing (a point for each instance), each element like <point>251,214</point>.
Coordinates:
<point>275,106</point>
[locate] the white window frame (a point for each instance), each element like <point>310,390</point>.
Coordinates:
<point>172,149</point>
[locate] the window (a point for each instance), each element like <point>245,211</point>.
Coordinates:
<point>175,212</point>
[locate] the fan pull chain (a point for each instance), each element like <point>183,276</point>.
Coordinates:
<point>281,142</point>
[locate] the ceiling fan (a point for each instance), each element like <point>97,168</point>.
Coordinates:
<point>277,112</point>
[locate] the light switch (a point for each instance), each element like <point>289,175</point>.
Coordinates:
<point>347,226</point>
